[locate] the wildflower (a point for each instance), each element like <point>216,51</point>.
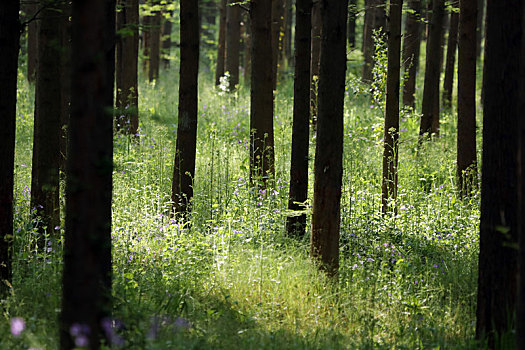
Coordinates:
<point>80,332</point>
<point>17,326</point>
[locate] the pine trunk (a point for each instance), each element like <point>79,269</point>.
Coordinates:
<point>277,29</point>
<point>315,57</point>
<point>154,48</point>
<point>350,30</point>
<point>411,50</point>
<point>166,39</point>
<point>32,43</point>
<point>221,52</point>
<point>233,40</point>
<point>450,61</point>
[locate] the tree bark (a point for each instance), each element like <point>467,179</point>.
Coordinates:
<point>65,84</point>
<point>277,30</point>
<point>374,21</point>
<point>9,46</point>
<point>390,153</point>
<point>87,274</point>
<point>350,30</point>
<point>262,157</point>
<point>498,256</point>
<point>296,224</point>
<point>126,68</point>
<point>247,51</point>
<point>233,39</point>
<point>450,61</point>
<point>154,48</point>
<point>466,137</point>
<point>32,43</point>
<point>221,52</point>
<point>287,41</point>
<point>479,26</point>
<point>315,57</point>
<point>411,50</point>
<point>166,39</point>
<point>46,139</point>
<point>184,165</point>
<point>432,72</point>
<point>329,146</point>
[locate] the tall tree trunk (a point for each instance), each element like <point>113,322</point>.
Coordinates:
<point>296,225</point>
<point>498,256</point>
<point>350,30</point>
<point>184,165</point>
<point>262,158</point>
<point>287,41</point>
<point>9,46</point>
<point>233,39</point>
<point>480,21</point>
<point>432,72</point>
<point>329,146</point>
<point>87,275</point>
<point>247,51</point>
<point>46,140</point>
<point>65,83</point>
<point>376,21</point>
<point>466,137</point>
<point>166,39</point>
<point>32,43</point>
<point>146,42</point>
<point>221,52</point>
<point>390,153</point>
<point>154,48</point>
<point>450,62</point>
<point>315,57</point>
<point>411,50</point>
<point>277,29</point>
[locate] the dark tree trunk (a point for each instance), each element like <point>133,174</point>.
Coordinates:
<point>221,52</point>
<point>296,225</point>
<point>350,30</point>
<point>9,46</point>
<point>466,137</point>
<point>498,256</point>
<point>261,94</point>
<point>479,26</point>
<point>32,43</point>
<point>450,61</point>
<point>390,153</point>
<point>374,21</point>
<point>48,104</point>
<point>329,146</point>
<point>233,40</point>
<point>166,39</point>
<point>86,283</point>
<point>315,57</point>
<point>126,67</point>
<point>247,51</point>
<point>287,50</point>
<point>411,49</point>
<point>432,72</point>
<point>65,83</point>
<point>154,47</point>
<point>520,312</point>
<point>277,29</point>
<point>184,165</point>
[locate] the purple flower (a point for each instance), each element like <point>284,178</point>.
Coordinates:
<point>17,326</point>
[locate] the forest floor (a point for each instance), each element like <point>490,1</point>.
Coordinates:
<point>233,280</point>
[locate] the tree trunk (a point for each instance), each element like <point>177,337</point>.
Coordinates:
<point>221,52</point>
<point>126,67</point>
<point>46,139</point>
<point>247,51</point>
<point>65,83</point>
<point>479,26</point>
<point>432,72</point>
<point>376,21</point>
<point>520,312</point>
<point>451,58</point>
<point>87,274</point>
<point>154,48</point>
<point>390,153</point>
<point>184,165</point>
<point>466,137</point>
<point>233,39</point>
<point>262,157</point>
<point>146,42</point>
<point>411,49</point>
<point>329,146</point>
<point>166,39</point>
<point>315,57</point>
<point>32,43</point>
<point>277,29</point>
<point>9,46</point>
<point>498,256</point>
<point>350,30</point>
<point>287,42</point>
<point>296,224</point>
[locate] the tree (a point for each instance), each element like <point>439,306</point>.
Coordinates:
<point>233,38</point>
<point>86,283</point>
<point>184,165</point>
<point>328,167</point>
<point>32,41</point>
<point>154,45</point>
<point>498,256</point>
<point>48,104</point>
<point>374,22</point>
<point>450,61</point>
<point>411,47</point>
<point>315,57</point>
<point>466,135</point>
<point>9,46</point>
<point>350,30</point>
<point>430,104</point>
<point>277,30</point>
<point>166,37</point>
<point>65,81</point>
<point>261,94</point>
<point>287,38</point>
<point>296,224</point>
<point>247,49</point>
<point>479,26</point>
<point>221,52</point>
<point>390,153</point>
<point>126,66</point>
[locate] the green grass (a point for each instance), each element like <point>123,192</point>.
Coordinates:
<point>233,279</point>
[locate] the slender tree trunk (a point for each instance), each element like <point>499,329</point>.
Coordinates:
<point>466,137</point>
<point>315,57</point>
<point>329,146</point>
<point>146,42</point>
<point>166,39</point>
<point>86,283</point>
<point>32,43</point>
<point>9,46</point>
<point>127,118</point>
<point>411,50</point>
<point>451,58</point>
<point>154,49</point>
<point>479,26</point>
<point>390,153</point>
<point>287,42</point>
<point>221,52</point>
<point>233,39</point>
<point>277,30</point>
<point>432,71</point>
<point>376,21</point>
<point>46,140</point>
<point>498,256</point>
<point>296,225</point>
<point>184,165</point>
<point>262,157</point>
<point>247,52</point>
<point>350,30</point>
<point>520,312</point>
<point>65,83</point>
